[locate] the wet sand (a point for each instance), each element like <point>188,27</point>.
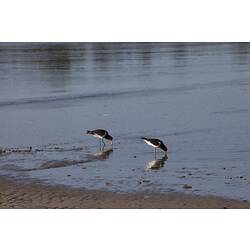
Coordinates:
<point>17,195</point>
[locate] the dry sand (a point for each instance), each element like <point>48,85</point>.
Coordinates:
<point>17,195</point>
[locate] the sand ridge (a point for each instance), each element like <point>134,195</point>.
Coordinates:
<point>19,195</point>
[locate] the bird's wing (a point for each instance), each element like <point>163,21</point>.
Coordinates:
<point>100,132</point>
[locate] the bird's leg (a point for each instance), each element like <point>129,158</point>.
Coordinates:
<point>100,143</point>
<point>155,153</point>
<point>103,142</point>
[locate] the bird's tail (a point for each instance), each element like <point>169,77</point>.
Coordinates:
<point>143,138</point>
<point>89,132</point>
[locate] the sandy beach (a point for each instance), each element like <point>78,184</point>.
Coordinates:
<point>17,195</point>
<point>194,97</point>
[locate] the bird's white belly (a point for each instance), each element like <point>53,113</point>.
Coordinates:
<point>150,144</point>
<point>97,136</point>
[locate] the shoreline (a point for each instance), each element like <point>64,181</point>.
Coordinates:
<point>26,195</point>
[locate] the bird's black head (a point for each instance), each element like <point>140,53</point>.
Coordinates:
<point>109,137</point>
<point>163,147</point>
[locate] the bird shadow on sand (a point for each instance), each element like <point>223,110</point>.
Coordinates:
<point>103,153</point>
<point>156,164</point>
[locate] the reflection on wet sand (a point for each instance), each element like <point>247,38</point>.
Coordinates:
<point>156,163</point>
<point>103,154</point>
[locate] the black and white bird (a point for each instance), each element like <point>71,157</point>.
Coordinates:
<point>101,134</point>
<point>155,143</point>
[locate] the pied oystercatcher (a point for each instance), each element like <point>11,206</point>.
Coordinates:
<point>155,143</point>
<point>101,134</point>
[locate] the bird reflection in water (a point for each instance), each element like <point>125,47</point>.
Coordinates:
<point>103,154</point>
<point>156,163</point>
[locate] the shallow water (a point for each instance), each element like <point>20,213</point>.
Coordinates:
<point>195,97</point>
